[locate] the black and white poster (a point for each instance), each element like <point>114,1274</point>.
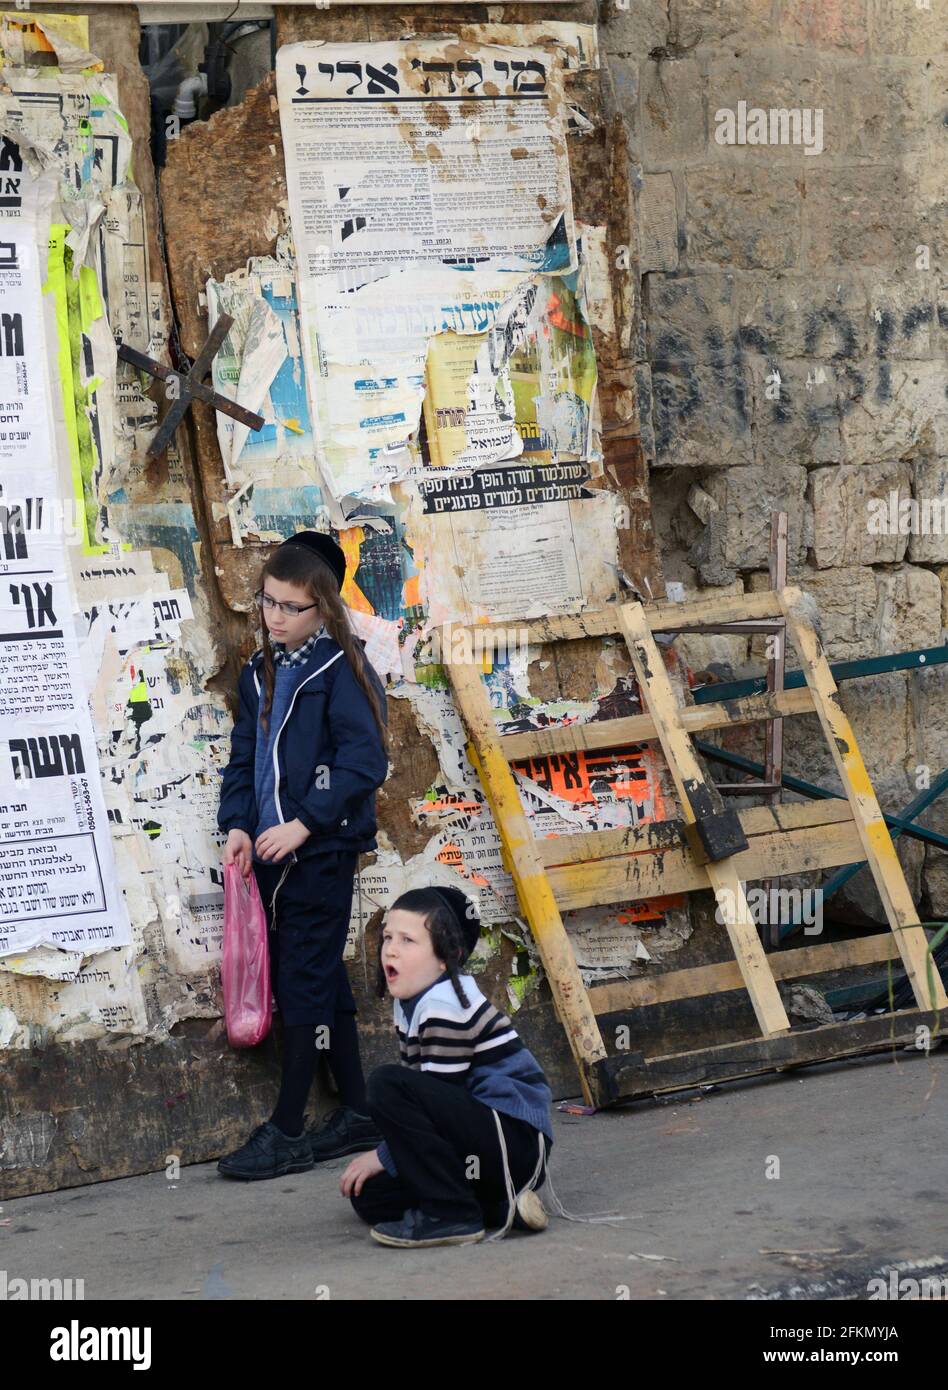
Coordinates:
<point>57,874</point>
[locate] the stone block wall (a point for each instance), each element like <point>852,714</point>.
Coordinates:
<point>795,304</point>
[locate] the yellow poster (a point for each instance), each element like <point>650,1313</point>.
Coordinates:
<point>524,391</point>
<point>30,38</point>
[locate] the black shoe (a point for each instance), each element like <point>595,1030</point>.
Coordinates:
<point>268,1153</point>
<point>416,1230</point>
<point>344,1132</point>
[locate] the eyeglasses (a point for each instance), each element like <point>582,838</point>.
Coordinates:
<point>292,610</point>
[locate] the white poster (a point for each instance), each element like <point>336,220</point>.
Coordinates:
<point>390,146</point>
<point>428,180</point>
<point>57,875</point>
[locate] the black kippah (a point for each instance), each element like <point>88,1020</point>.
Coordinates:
<point>325,547</point>
<point>464,911</point>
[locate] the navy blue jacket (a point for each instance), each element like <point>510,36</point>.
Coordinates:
<point>329,724</point>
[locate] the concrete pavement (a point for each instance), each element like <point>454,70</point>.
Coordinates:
<point>859,1146</point>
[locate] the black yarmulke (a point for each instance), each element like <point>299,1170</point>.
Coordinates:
<point>464,911</point>
<point>325,547</point>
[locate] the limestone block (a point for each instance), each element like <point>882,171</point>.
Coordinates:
<point>635,28</point>
<point>846,600</point>
<point>937,72</point>
<point>859,216</point>
<point>672,109</point>
<point>858,900</point>
<point>929,516</point>
<point>746,497</point>
<point>902,411</point>
<point>935,881</point>
<point>940,326</point>
<point>658,224</point>
<point>846,531</point>
<point>901,316</point>
<point>880,112</point>
<point>793,315</point>
<point>842,27</point>
<point>927,177</point>
<point>644,24</point>
<point>908,610</point>
<point>690,317</point>
<point>801,424</point>
<point>701,415</point>
<point>743,216</point>
<point>928,703</point>
<point>717,23</point>
<point>942,573</point>
<point>719,651</point>
<point>878,709</point>
<point>901,28</point>
<point>772,80</point>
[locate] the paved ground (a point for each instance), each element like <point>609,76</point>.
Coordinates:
<point>862,1157</point>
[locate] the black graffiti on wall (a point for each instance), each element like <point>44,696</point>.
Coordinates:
<point>690,373</point>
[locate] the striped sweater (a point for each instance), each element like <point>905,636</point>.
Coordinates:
<point>476,1046</point>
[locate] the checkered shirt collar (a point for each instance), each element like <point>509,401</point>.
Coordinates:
<point>300,655</point>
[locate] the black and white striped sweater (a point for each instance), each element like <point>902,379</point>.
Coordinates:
<point>476,1046</point>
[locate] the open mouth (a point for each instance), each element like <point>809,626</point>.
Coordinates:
<point>391,973</point>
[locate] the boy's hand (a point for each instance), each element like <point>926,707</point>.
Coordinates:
<point>365,1165</point>
<point>239,850</point>
<point>281,840</point>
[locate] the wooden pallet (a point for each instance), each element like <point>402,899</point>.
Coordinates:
<point>709,847</point>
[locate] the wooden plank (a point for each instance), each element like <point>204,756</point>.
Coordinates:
<point>701,980</point>
<point>668,617</point>
<point>662,617</point>
<point>634,1075</point>
<point>668,834</point>
<point>695,792</point>
<point>639,728</point>
<point>603,622</point>
<point>533,890</point>
<point>879,851</point>
<point>655,875</point>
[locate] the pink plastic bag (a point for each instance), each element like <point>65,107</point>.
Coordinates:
<point>245,963</point>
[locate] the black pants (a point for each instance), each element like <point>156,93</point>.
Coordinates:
<point>309,935</point>
<point>446,1149</point>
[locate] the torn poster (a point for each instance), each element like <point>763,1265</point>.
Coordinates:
<point>373,349</point>
<point>390,149</point>
<point>613,941</point>
<point>575,46</point>
<point>390,146</point>
<point>525,389</point>
<point>46,40</point>
<point>66,133</point>
<point>260,361</point>
<point>496,553</point>
<point>57,876</point>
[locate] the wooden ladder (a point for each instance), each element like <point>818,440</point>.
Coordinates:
<point>711,847</point>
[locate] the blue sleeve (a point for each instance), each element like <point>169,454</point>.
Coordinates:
<point>386,1160</point>
<point>359,765</point>
<point>237,808</point>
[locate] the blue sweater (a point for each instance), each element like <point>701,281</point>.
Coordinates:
<point>286,679</point>
<point>496,1068</point>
